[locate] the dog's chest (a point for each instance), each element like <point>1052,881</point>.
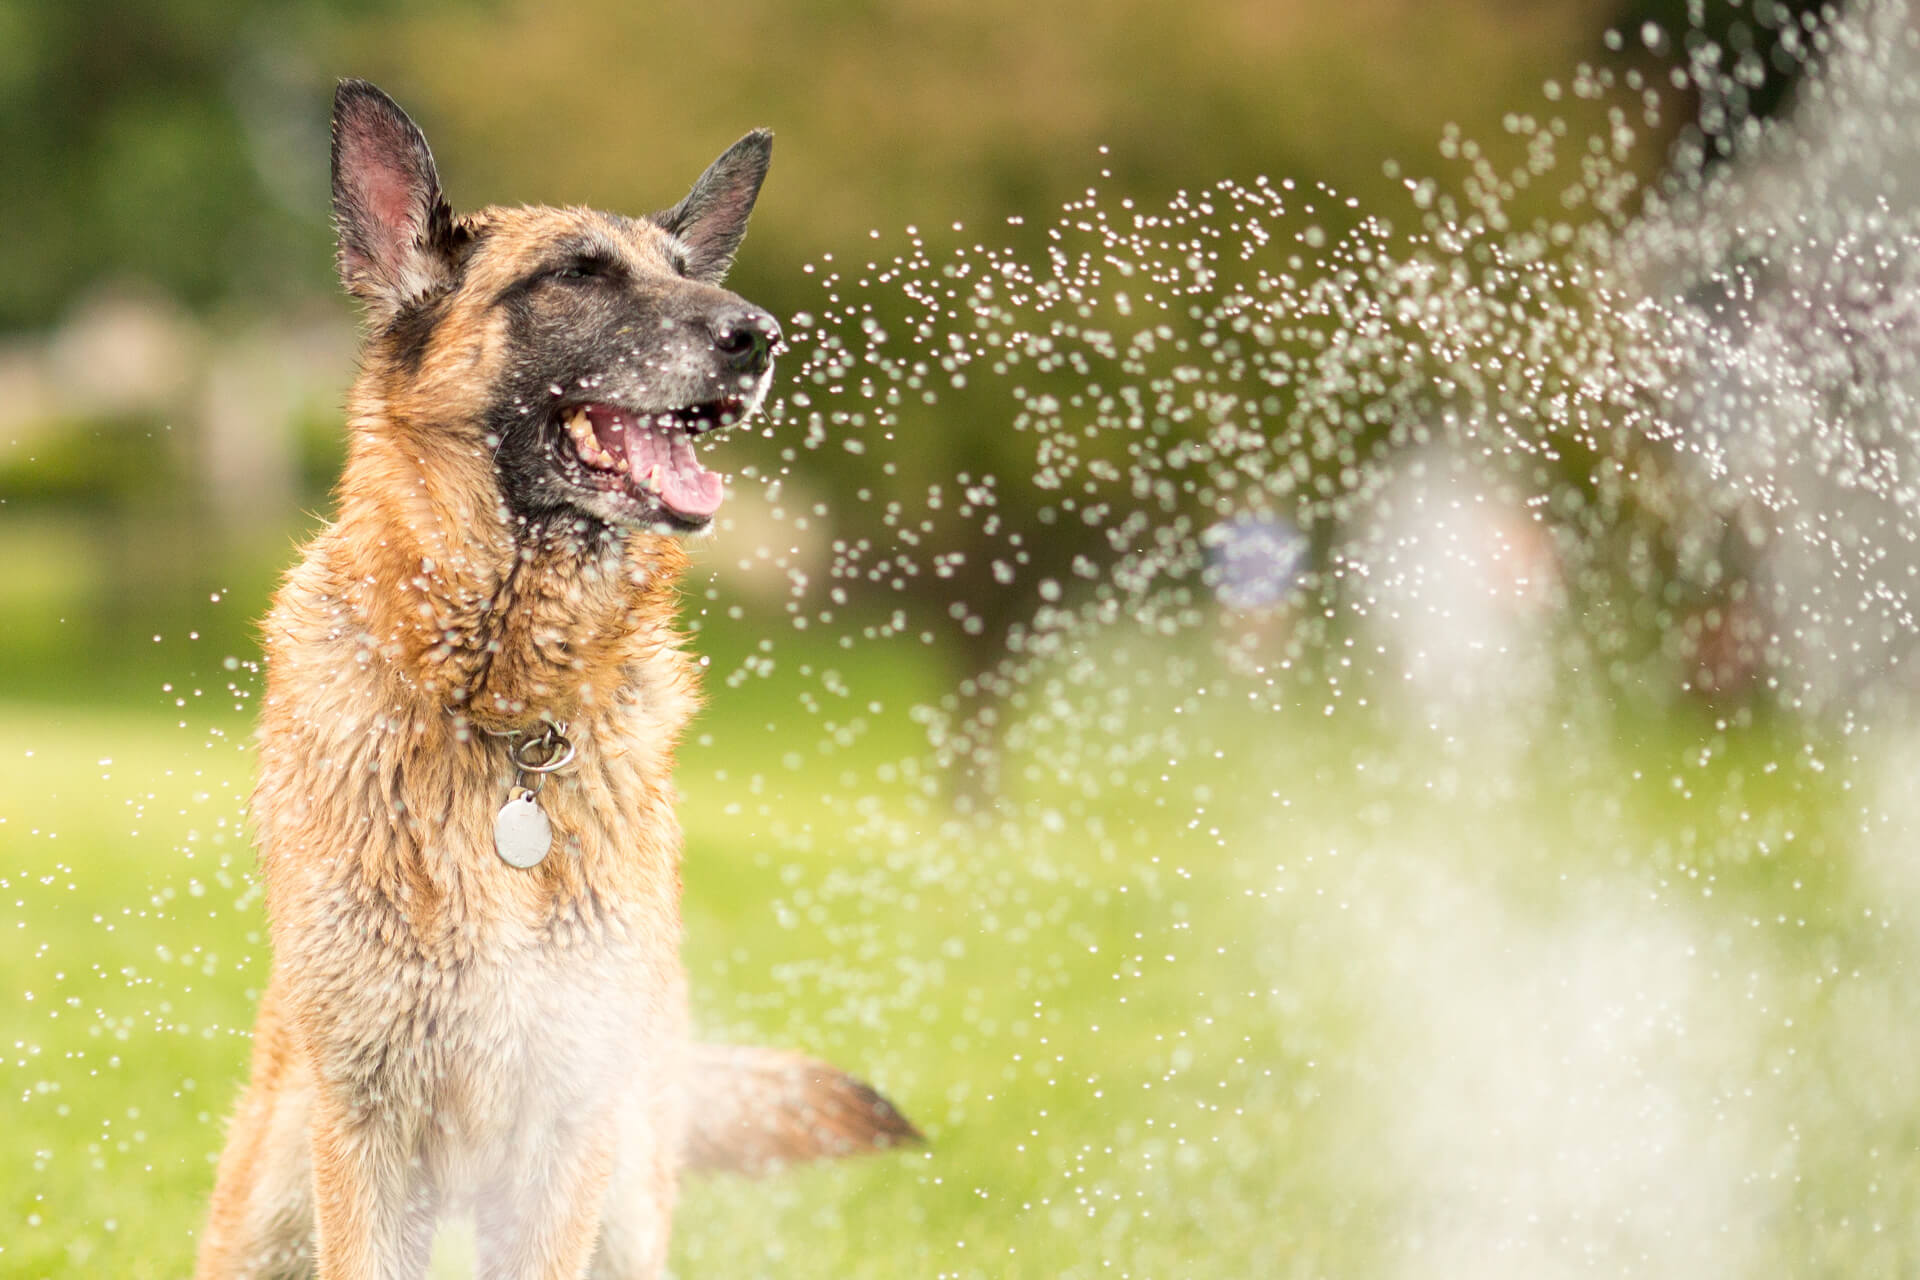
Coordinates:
<point>438,980</point>
<point>541,1036</point>
<point>475,1003</point>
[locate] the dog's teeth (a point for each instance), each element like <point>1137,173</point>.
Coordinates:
<point>622,466</point>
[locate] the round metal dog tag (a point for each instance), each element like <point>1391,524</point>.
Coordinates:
<point>521,832</point>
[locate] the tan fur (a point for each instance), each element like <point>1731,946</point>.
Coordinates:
<point>441,1030</point>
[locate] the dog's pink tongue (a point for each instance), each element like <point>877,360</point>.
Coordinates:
<point>662,460</point>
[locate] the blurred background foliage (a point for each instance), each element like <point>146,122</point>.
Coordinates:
<point>173,349</point>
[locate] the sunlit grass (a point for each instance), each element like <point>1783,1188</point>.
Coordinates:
<point>1333,1002</point>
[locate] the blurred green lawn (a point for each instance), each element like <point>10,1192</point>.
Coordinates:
<point>1255,996</point>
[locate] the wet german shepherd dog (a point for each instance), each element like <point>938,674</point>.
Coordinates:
<point>464,806</point>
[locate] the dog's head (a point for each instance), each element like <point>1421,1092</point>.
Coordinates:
<point>584,351</point>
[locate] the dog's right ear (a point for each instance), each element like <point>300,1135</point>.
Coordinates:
<point>395,227</point>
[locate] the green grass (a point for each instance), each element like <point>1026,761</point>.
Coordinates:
<point>1331,1001</point>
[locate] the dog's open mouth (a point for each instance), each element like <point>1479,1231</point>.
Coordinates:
<point>650,456</point>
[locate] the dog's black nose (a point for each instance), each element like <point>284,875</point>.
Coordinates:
<point>746,338</point>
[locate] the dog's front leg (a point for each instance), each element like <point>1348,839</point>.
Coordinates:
<point>539,1219</point>
<point>374,1208</point>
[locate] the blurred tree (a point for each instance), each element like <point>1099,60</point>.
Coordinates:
<point>1743,61</point>
<point>171,142</point>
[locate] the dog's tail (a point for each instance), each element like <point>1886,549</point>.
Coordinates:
<point>756,1109</point>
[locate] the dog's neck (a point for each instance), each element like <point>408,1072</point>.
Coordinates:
<point>467,605</point>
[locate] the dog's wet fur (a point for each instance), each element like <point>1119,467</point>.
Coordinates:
<point>441,1031</point>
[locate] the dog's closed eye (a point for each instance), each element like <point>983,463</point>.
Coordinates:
<point>586,267</point>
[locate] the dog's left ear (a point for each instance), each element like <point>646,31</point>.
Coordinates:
<point>712,220</point>
<point>395,227</point>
